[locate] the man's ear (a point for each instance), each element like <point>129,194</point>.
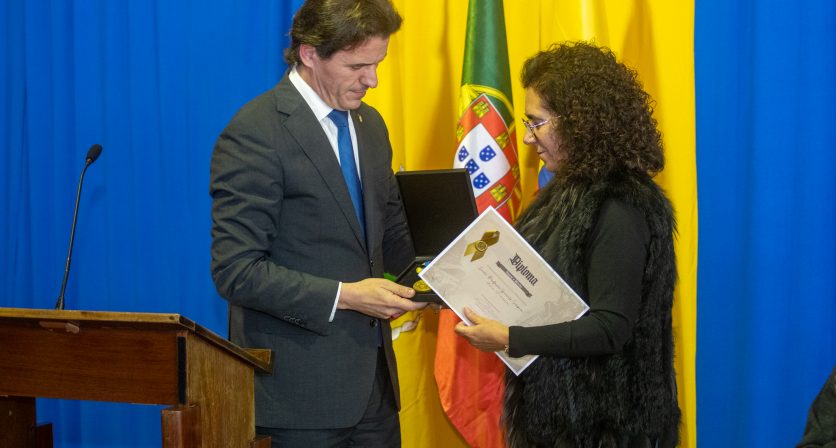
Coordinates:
<point>307,54</point>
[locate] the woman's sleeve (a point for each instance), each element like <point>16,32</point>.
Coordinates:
<point>616,257</point>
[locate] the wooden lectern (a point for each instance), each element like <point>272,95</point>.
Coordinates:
<point>128,357</point>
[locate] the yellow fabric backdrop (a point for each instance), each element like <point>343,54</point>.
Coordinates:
<point>419,87</point>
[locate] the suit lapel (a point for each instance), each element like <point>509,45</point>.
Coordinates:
<point>303,126</point>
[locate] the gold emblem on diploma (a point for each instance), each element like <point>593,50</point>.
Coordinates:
<point>479,248</point>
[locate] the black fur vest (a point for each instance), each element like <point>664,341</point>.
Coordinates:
<point>600,401</point>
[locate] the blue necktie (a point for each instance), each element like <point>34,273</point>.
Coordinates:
<point>348,165</point>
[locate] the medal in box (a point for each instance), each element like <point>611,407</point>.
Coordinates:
<point>439,205</point>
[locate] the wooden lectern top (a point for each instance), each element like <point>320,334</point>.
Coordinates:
<point>70,320</point>
<point>104,356</point>
<point>133,358</point>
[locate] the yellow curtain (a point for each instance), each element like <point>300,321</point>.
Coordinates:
<point>417,95</point>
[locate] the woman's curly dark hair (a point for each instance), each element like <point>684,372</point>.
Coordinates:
<point>605,123</point>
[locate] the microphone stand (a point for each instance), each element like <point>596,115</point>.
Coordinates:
<point>59,304</point>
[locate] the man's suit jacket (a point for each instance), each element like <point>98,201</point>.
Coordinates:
<point>284,234</point>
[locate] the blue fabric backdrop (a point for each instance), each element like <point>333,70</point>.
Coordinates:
<point>766,112</point>
<point>155,82</point>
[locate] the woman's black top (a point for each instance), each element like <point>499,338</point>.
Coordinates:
<point>615,255</point>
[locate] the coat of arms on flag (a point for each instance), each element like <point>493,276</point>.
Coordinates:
<point>487,149</point>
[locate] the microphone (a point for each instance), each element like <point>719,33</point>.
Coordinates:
<point>92,154</point>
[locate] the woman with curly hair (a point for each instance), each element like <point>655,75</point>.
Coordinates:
<point>606,379</point>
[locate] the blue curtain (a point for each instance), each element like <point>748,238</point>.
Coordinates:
<point>766,120</point>
<point>154,82</point>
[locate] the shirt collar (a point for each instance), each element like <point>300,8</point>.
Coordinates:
<point>319,108</point>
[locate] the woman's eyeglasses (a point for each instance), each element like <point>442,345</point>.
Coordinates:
<point>532,126</point>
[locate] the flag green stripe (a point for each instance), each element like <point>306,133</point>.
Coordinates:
<point>486,51</point>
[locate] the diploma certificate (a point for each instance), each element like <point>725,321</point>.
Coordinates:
<point>492,270</point>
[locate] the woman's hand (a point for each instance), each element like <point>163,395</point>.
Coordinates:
<point>485,334</point>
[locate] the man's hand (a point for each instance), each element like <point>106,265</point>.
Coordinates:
<point>378,297</point>
<point>485,334</point>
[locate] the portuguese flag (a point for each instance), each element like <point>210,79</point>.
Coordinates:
<point>486,135</point>
<point>470,382</point>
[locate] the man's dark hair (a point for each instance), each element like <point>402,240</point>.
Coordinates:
<point>604,118</point>
<point>334,25</point>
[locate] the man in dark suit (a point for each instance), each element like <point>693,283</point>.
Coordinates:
<point>306,218</point>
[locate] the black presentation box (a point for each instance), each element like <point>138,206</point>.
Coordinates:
<point>439,205</point>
